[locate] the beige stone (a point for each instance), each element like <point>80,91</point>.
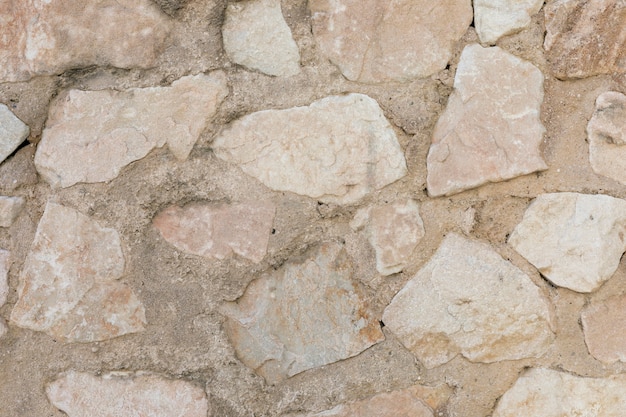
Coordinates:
<point>10,208</point>
<point>12,130</point>
<point>603,324</point>
<point>376,41</point>
<point>490,130</point>
<point>4,284</point>
<point>496,18</point>
<point>91,135</point>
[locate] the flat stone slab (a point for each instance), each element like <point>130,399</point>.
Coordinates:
<point>91,135</point>
<point>4,284</point>
<point>10,208</point>
<point>375,41</point>
<point>68,286</point>
<point>337,150</point>
<point>12,130</point>
<point>548,393</point>
<point>309,313</point>
<point>574,240</point>
<point>603,325</point>
<point>218,231</point>
<point>126,394</point>
<point>496,18</point>
<point>467,300</point>
<point>490,130</point>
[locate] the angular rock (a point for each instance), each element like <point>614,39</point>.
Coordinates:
<point>394,231</point>
<point>91,135</point>
<point>574,240</point>
<point>216,231</point>
<point>375,41</point>
<point>68,286</point>
<point>19,170</point>
<point>585,37</point>
<point>52,36</point>
<point>10,207</point>
<point>337,150</point>
<point>496,18</point>
<point>603,325</point>
<point>12,130</point>
<point>548,393</point>
<point>468,300</point>
<point>307,314</point>
<point>256,36</point>
<point>4,285</point>
<point>490,130</point>
<point>126,394</point>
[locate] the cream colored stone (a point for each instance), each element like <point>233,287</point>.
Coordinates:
<point>607,136</point>
<point>603,324</point>
<point>10,207</point>
<point>574,240</point>
<point>4,284</point>
<point>496,18</point>
<point>468,300</point>
<point>490,130</point>
<point>12,130</point>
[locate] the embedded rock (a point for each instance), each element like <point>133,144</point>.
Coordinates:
<point>216,231</point>
<point>394,231</point>
<point>574,240</point>
<point>91,135</point>
<point>490,130</point>
<point>12,130</point>
<point>337,150</point>
<point>68,286</point>
<point>10,207</point>
<point>603,325</point>
<point>375,41</point>
<point>309,313</point>
<point>126,394</point>
<point>496,18</point>
<point>256,36</point>
<point>4,284</point>
<point>468,300</point>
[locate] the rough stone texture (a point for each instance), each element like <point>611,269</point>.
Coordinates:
<point>603,324</point>
<point>548,393</point>
<point>216,231</point>
<point>12,132</point>
<point>4,284</point>
<point>468,300</point>
<point>490,130</point>
<point>338,149</point>
<point>68,286</point>
<point>42,37</point>
<point>307,314</point>
<point>394,231</point>
<point>19,170</point>
<point>125,394</point>
<point>496,18</point>
<point>91,135</point>
<point>256,36</point>
<point>585,37</point>
<point>574,240</point>
<point>10,207</point>
<point>377,41</point>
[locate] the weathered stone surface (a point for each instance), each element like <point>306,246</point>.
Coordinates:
<point>19,170</point>
<point>603,325</point>
<point>12,131</point>
<point>496,18</point>
<point>585,37</point>
<point>468,300</point>
<point>216,231</point>
<point>490,130</point>
<point>51,36</point>
<point>4,284</point>
<point>574,240</point>
<point>307,314</point>
<point>338,149</point>
<point>68,286</point>
<point>10,207</point>
<point>256,36</point>
<point>394,231</point>
<point>548,393</point>
<point>91,135</point>
<point>126,394</point>
<point>375,41</point>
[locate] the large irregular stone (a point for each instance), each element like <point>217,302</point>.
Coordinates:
<point>574,240</point>
<point>468,300</point>
<point>338,149</point>
<point>490,130</point>
<point>309,313</point>
<point>256,36</point>
<point>394,231</point>
<point>376,41</point>
<point>91,135</point>
<point>10,207</point>
<point>603,325</point>
<point>68,286</point>
<point>496,18</point>
<point>126,394</point>
<point>12,130</point>
<point>51,36</point>
<point>216,231</point>
<point>585,37</point>
<point>4,284</point>
<point>548,393</point>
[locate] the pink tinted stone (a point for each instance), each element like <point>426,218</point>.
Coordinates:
<point>603,325</point>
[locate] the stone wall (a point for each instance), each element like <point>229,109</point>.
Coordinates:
<point>312,208</point>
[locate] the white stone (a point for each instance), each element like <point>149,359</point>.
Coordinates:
<point>91,135</point>
<point>10,207</point>
<point>338,149</point>
<point>256,36</point>
<point>574,240</point>
<point>12,132</point>
<point>4,284</point>
<point>468,300</point>
<point>496,18</point>
<point>490,130</point>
